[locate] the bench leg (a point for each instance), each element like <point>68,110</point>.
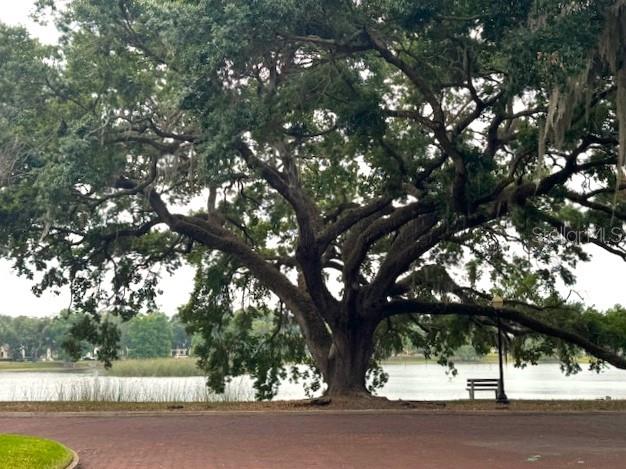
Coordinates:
<point>471,392</point>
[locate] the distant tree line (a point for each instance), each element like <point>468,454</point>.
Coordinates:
<point>29,338</point>
<point>144,336</point>
<point>153,335</point>
<point>156,335</point>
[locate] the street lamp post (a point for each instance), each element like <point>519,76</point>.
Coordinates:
<point>497,302</point>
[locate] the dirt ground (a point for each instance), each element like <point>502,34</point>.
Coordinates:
<point>306,405</point>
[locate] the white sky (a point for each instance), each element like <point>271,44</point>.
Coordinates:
<point>18,12</point>
<point>601,282</point>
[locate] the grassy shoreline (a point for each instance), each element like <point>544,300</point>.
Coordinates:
<point>10,366</point>
<point>172,367</point>
<point>155,367</point>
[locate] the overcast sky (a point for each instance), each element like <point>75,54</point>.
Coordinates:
<point>601,282</point>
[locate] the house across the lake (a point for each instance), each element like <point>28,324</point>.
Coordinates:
<point>180,352</point>
<point>5,352</point>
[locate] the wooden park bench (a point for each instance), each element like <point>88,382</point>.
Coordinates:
<point>474,385</point>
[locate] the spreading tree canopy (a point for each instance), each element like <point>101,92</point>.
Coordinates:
<point>345,176</point>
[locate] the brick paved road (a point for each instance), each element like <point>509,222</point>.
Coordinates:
<point>373,440</point>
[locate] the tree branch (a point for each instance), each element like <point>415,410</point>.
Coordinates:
<point>349,219</point>
<point>210,234</point>
<point>398,307</point>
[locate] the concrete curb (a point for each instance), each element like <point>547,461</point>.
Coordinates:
<point>75,460</point>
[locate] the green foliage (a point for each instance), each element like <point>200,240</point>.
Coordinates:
<point>147,336</point>
<point>254,340</point>
<point>180,336</point>
<point>72,336</point>
<point>34,336</point>
<point>87,331</point>
<point>221,133</point>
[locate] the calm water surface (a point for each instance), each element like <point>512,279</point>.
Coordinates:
<point>406,381</point>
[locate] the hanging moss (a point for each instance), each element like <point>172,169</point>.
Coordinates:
<point>611,51</point>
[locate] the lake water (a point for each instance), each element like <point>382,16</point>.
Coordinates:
<point>406,381</point>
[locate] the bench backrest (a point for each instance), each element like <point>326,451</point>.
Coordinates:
<point>479,383</point>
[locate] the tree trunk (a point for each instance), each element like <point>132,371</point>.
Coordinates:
<point>349,360</point>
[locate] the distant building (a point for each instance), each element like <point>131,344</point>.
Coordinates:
<point>5,352</point>
<point>180,352</point>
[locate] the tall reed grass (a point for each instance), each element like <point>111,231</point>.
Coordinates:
<point>112,389</point>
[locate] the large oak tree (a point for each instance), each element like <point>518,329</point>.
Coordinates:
<point>357,173</point>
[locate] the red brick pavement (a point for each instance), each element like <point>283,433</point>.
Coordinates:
<point>343,440</point>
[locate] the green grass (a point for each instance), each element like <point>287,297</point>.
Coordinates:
<point>27,452</point>
<point>156,367</point>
